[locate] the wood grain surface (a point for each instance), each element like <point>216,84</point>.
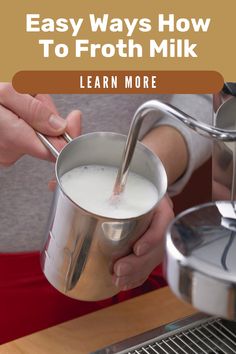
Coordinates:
<point>98,329</point>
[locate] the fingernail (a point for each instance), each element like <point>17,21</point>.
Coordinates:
<point>57,122</point>
<point>142,249</point>
<point>118,284</point>
<point>123,269</point>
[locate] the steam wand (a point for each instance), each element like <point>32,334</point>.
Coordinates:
<point>141,113</point>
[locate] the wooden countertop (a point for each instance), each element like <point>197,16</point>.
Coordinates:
<point>104,327</point>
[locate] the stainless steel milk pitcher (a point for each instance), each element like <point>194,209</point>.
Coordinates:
<point>81,247</point>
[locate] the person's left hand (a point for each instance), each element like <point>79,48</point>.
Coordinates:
<point>132,271</point>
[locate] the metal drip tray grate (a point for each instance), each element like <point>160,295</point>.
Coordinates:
<point>187,336</point>
<point>212,337</point>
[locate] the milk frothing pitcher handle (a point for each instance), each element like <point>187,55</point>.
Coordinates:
<point>50,146</point>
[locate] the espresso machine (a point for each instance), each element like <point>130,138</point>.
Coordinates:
<point>200,245</point>
<point>200,259</point>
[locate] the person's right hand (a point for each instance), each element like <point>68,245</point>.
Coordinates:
<point>21,115</point>
<point>132,270</point>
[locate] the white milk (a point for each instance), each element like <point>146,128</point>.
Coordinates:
<point>91,188</point>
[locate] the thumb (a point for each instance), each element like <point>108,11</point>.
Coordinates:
<point>73,129</point>
<point>34,112</point>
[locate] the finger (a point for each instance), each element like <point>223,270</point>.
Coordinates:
<point>132,269</point>
<point>32,111</point>
<point>156,231</point>
<point>8,153</point>
<point>132,264</point>
<point>73,129</point>
<point>18,138</point>
<point>125,284</point>
<point>47,100</point>
<point>52,185</point>
<point>74,123</point>
<point>58,141</point>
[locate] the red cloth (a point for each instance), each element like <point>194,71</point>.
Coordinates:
<point>28,303</point>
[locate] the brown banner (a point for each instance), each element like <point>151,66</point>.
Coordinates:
<point>117,82</point>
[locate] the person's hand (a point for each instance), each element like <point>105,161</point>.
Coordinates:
<point>132,270</point>
<point>21,115</point>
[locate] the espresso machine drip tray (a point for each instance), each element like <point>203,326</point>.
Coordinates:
<point>198,334</point>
